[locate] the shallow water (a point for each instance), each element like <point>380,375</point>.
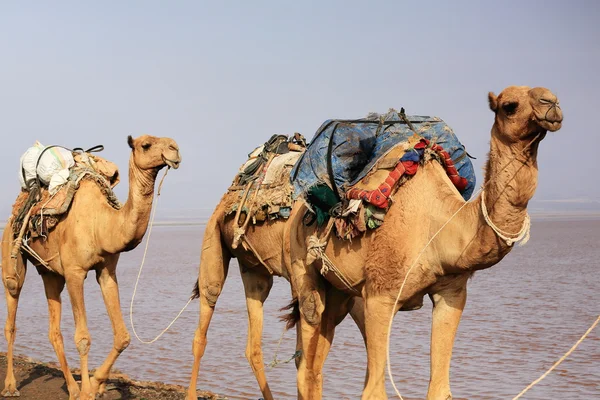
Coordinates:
<point>521,316</point>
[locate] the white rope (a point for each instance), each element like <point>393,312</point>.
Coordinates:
<point>140,273</point>
<point>522,236</point>
<point>532,384</point>
<point>316,251</point>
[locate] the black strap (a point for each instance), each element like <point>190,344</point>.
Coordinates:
<point>405,119</point>
<point>330,164</point>
<point>319,132</point>
<point>95,149</point>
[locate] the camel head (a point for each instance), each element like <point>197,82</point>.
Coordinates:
<point>522,112</point>
<point>150,152</point>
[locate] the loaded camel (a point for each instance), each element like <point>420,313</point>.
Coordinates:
<point>89,237</point>
<point>480,234</point>
<point>260,257</point>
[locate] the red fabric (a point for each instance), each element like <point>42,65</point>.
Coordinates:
<point>380,196</point>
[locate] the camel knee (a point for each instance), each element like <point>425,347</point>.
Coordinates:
<point>211,292</point>
<point>55,337</point>
<point>122,341</point>
<point>9,331</point>
<point>198,344</point>
<point>12,285</point>
<point>83,344</point>
<point>254,356</point>
<point>311,307</point>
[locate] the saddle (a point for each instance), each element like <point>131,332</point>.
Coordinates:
<point>37,210</point>
<point>351,167</point>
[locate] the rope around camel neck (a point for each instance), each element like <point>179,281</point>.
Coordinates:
<point>389,367</point>
<point>140,273</point>
<point>522,236</point>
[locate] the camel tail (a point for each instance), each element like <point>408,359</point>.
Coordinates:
<point>195,291</point>
<point>292,318</point>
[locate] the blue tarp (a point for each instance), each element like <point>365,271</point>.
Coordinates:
<point>354,146</point>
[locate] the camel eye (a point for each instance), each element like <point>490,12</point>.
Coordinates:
<point>510,108</point>
<point>146,146</point>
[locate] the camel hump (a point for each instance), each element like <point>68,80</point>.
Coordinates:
<point>46,200</point>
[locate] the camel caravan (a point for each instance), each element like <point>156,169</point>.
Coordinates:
<point>366,219</point>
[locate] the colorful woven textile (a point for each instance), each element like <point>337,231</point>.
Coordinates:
<point>408,165</point>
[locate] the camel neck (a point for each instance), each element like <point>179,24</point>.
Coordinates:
<point>510,181</point>
<point>131,221</point>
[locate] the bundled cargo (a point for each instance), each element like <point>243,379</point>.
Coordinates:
<point>43,162</point>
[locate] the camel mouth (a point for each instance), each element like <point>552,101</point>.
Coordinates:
<point>172,163</point>
<point>549,125</point>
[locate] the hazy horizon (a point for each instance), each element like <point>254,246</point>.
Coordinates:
<point>221,78</point>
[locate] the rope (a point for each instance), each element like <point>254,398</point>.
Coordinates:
<point>532,384</point>
<point>522,236</point>
<point>316,251</point>
<point>253,250</point>
<point>275,361</point>
<point>389,367</point>
<point>140,273</point>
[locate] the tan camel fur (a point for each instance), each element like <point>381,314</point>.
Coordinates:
<point>267,240</point>
<point>89,237</point>
<point>378,261</point>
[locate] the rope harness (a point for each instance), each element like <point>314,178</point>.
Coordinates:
<point>316,251</point>
<point>522,237</point>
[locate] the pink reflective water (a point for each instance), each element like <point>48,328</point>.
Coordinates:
<point>521,316</point>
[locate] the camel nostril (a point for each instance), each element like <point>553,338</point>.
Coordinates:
<point>549,102</point>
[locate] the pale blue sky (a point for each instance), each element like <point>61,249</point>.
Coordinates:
<point>222,77</point>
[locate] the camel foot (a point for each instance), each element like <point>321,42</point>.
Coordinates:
<point>11,393</point>
<point>101,391</point>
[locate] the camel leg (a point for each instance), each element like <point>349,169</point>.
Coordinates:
<point>257,287</point>
<point>378,311</point>
<point>311,311</point>
<point>54,285</point>
<point>316,343</point>
<point>448,305</point>
<point>214,265</point>
<point>357,312</point>
<point>107,279</point>
<point>83,340</point>
<point>12,291</point>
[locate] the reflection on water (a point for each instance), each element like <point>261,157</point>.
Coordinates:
<point>521,316</point>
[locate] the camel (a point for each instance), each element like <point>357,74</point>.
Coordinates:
<point>259,260</point>
<point>378,263</point>
<point>89,237</point>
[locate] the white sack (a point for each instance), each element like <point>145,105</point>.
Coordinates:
<point>28,162</point>
<point>53,160</point>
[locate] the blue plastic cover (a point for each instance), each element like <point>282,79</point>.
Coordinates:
<point>354,146</point>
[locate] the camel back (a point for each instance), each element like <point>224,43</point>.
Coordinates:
<point>46,207</point>
<point>366,159</point>
<point>262,188</point>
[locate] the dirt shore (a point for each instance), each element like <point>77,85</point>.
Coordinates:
<point>44,381</point>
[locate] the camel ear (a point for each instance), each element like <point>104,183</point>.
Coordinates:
<point>493,99</point>
<point>130,141</point>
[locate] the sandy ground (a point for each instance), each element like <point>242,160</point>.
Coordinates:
<point>44,381</point>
